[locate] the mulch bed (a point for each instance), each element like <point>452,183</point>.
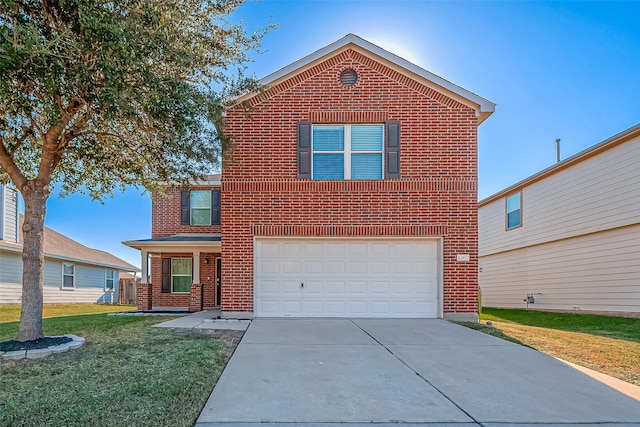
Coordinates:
<point>45,342</point>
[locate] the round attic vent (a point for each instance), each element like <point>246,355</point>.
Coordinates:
<point>348,78</point>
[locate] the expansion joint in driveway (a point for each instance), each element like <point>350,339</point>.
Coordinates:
<point>418,374</point>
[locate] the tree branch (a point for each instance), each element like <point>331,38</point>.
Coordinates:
<point>9,166</point>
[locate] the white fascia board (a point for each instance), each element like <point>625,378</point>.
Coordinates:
<point>174,246</point>
<point>485,107</point>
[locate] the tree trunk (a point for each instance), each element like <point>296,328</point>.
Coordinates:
<point>35,202</point>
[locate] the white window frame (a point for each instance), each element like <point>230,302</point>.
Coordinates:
<point>506,210</point>
<point>72,275</point>
<point>347,148</point>
<point>181,275</point>
<point>191,208</point>
<point>106,280</point>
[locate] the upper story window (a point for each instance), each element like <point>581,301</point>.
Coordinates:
<point>68,275</point>
<point>349,151</point>
<point>109,279</point>
<point>200,207</point>
<point>514,211</point>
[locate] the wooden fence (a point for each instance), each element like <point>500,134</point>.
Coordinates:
<point>128,291</point>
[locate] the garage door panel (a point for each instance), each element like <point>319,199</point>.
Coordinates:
<point>313,267</point>
<point>335,250</point>
<point>271,287</point>
<point>359,250</point>
<point>336,287</point>
<point>357,267</point>
<point>380,267</point>
<point>404,288</point>
<point>290,288</point>
<point>346,278</point>
<point>357,286</point>
<point>333,267</point>
<point>269,266</point>
<point>379,289</point>
<point>313,287</point>
<point>314,307</point>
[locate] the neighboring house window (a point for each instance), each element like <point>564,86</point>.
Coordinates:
<point>348,151</point>
<point>109,279</point>
<point>68,275</point>
<point>179,276</point>
<point>514,211</point>
<point>200,207</point>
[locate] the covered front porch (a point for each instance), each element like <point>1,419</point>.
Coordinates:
<point>179,272</point>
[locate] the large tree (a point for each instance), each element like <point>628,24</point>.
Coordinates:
<point>96,95</point>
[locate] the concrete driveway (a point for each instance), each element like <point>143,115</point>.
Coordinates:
<point>327,371</point>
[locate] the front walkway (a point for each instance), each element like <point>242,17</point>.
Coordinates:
<point>336,371</point>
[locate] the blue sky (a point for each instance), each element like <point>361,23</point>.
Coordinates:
<point>568,70</point>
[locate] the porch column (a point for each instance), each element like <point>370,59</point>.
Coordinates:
<point>196,267</point>
<point>145,294</point>
<point>195,303</point>
<point>145,267</point>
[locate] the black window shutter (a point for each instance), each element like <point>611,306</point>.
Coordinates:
<point>392,149</point>
<point>166,275</point>
<point>215,207</point>
<point>304,149</point>
<point>185,213</point>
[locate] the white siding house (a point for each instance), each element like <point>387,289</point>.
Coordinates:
<point>72,272</point>
<point>568,236</point>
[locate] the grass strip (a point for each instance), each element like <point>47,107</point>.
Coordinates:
<point>607,344</point>
<point>127,373</point>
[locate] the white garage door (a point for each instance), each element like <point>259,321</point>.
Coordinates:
<point>346,278</point>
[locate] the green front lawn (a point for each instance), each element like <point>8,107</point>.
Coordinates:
<point>607,326</point>
<point>126,374</point>
<point>606,344</point>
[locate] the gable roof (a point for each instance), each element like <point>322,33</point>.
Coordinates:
<point>607,144</point>
<point>484,108</point>
<point>59,246</point>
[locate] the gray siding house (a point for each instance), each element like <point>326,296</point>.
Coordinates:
<point>73,273</point>
<point>567,238</point>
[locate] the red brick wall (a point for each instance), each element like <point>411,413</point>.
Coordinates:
<point>435,196</point>
<point>165,215</point>
<point>207,279</point>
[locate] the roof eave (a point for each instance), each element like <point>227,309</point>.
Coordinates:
<point>168,246</point>
<point>483,106</point>
<point>615,140</point>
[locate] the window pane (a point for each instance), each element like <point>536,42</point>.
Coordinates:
<point>200,199</point>
<point>513,219</point>
<point>328,166</point>
<point>181,284</point>
<point>366,166</point>
<point>513,203</point>
<point>366,138</point>
<point>328,138</point>
<point>109,284</point>
<point>68,268</point>
<point>181,266</point>
<point>201,216</point>
<point>110,274</point>
<point>67,281</point>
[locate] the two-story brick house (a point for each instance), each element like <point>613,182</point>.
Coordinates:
<point>352,191</point>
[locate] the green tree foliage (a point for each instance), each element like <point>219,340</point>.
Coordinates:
<point>97,95</point>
